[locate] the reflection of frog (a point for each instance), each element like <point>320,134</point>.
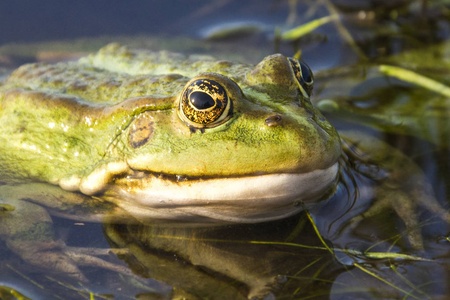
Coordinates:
<point>220,262</point>
<point>158,135</point>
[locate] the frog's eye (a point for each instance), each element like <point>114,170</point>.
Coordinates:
<point>304,76</point>
<point>204,103</point>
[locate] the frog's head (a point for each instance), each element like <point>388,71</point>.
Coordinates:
<point>242,147</point>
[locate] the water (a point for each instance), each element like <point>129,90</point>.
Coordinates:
<point>283,259</point>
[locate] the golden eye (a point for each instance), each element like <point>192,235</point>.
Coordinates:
<point>304,76</point>
<point>204,103</point>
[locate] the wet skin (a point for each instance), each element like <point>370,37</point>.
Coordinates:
<point>165,135</point>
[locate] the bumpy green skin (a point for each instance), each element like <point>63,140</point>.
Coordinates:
<point>65,120</point>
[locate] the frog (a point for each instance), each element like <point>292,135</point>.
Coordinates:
<point>161,136</point>
<point>167,127</point>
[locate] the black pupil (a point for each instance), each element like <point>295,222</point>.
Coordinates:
<point>201,100</point>
<point>306,73</point>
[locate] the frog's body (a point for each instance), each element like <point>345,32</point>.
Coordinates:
<point>112,126</point>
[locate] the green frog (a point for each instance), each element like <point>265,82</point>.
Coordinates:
<point>160,135</point>
<point>163,135</point>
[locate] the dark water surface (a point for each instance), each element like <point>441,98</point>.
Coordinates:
<point>284,259</point>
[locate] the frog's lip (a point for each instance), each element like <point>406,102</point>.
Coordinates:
<point>240,199</point>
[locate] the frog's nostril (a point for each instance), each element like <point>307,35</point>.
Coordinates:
<point>273,120</point>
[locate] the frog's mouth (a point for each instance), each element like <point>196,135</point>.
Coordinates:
<point>245,199</point>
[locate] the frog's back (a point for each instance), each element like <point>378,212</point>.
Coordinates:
<point>120,59</point>
<point>116,73</point>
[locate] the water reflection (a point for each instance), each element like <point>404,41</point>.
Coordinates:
<point>232,262</point>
